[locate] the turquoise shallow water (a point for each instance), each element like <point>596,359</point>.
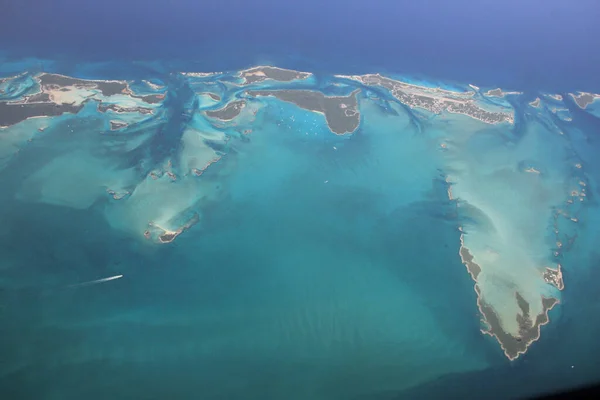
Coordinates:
<point>323,266</point>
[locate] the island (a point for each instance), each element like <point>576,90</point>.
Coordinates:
<point>213,96</point>
<point>262,73</point>
<point>115,125</point>
<point>161,155</point>
<point>465,255</point>
<point>434,100</point>
<point>57,94</point>
<point>498,93</point>
<point>107,88</point>
<point>163,235</point>
<point>556,97</point>
<point>529,327</point>
<point>553,276</point>
<point>104,107</point>
<point>11,114</point>
<point>229,112</point>
<point>583,99</point>
<point>341,112</point>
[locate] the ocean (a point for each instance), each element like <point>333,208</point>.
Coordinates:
<point>312,265</point>
<point>533,45</point>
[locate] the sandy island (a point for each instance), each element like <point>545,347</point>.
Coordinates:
<point>264,72</point>
<point>529,328</point>
<point>499,93</point>
<point>535,103</point>
<point>165,235</point>
<point>229,112</point>
<point>59,94</point>
<point>434,100</point>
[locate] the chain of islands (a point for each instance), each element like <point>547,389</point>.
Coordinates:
<point>517,209</point>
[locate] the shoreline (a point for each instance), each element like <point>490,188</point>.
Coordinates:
<point>487,312</point>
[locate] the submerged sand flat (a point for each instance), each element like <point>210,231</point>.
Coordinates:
<point>156,166</point>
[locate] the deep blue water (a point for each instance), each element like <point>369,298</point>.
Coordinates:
<point>533,45</point>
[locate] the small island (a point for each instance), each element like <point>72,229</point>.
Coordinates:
<point>498,93</point>
<point>162,235</point>
<point>529,326</point>
<point>213,96</point>
<point>434,100</point>
<point>115,125</point>
<point>535,103</point>
<point>341,112</point>
<point>104,107</point>
<point>107,88</point>
<point>262,73</point>
<point>554,277</point>
<point>58,94</point>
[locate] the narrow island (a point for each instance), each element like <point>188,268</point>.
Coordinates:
<point>213,96</point>
<point>58,94</point>
<point>434,100</point>
<point>498,93</point>
<point>115,125</point>
<point>104,107</point>
<point>107,88</point>
<point>11,114</point>
<point>341,112</point>
<point>535,103</point>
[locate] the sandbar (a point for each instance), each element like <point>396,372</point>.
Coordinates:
<point>535,103</point>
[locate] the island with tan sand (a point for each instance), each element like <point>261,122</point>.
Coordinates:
<point>434,100</point>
